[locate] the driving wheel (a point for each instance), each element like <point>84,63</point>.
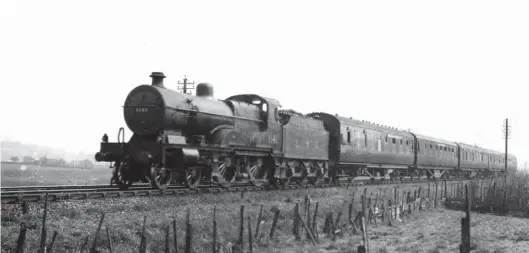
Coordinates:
<point>193,177</point>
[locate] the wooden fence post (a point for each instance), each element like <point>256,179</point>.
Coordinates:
<point>274,224</point>
<point>241,230</point>
<point>175,241</point>
<point>93,248</point>
<point>166,248</point>
<point>395,201</point>
<point>258,225</point>
<point>143,240</point>
<point>446,190</point>
<point>464,247</point>
<point>429,191</point>
<point>214,229</point>
<point>307,215</point>
<point>436,194</point>
<point>250,239</point>
<point>23,228</point>
<point>493,199</point>
<point>314,218</point>
<point>189,231</point>
<point>43,231</point>
<point>364,233</point>
<point>295,223</point>
<point>110,247</point>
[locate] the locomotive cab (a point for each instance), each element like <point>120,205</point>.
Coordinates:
<point>264,105</point>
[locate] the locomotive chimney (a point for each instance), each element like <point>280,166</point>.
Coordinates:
<point>157,79</point>
<point>204,90</point>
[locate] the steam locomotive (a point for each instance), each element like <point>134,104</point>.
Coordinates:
<point>194,140</point>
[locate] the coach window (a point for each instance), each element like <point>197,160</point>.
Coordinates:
<point>357,136</point>
<point>373,141</point>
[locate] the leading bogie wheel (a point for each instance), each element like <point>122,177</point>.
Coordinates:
<point>120,171</point>
<point>160,177</point>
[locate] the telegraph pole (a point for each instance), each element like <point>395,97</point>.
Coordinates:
<point>507,131</point>
<point>185,87</point>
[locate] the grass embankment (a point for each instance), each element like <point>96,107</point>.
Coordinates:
<point>518,185</point>
<point>516,189</point>
<point>29,175</point>
<point>75,219</point>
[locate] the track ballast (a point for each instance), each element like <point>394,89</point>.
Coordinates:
<point>13,195</point>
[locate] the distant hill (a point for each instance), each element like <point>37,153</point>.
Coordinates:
<point>18,149</point>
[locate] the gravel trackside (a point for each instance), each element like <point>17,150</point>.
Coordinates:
<point>426,231</point>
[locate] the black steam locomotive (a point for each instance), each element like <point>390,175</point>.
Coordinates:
<point>248,138</point>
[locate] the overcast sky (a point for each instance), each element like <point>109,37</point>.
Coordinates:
<point>448,69</point>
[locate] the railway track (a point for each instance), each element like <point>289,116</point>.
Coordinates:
<point>13,195</point>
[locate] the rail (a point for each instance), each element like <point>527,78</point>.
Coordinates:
<point>13,195</point>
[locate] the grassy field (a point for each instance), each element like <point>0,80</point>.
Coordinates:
<point>429,231</point>
<point>24,175</point>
